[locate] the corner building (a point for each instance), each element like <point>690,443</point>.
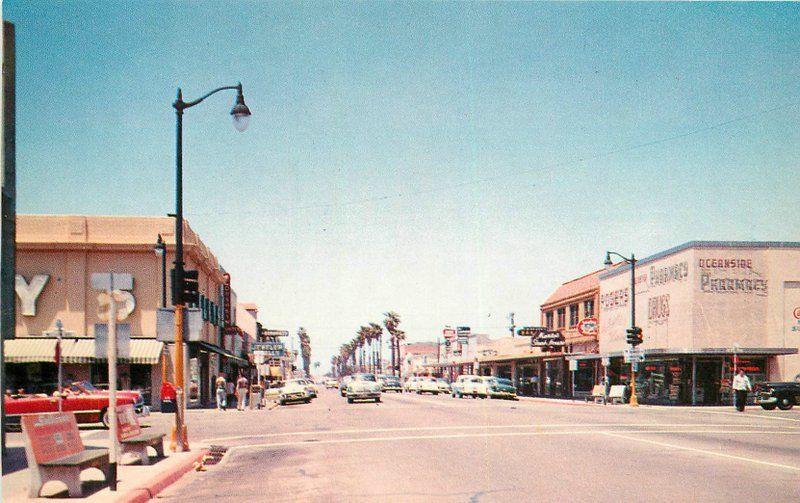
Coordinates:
<point>705,308</point>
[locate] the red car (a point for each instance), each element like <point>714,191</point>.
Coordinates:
<point>89,404</point>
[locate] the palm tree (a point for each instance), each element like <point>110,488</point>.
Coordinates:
<point>391,322</point>
<point>305,349</point>
<point>376,332</point>
<point>363,338</point>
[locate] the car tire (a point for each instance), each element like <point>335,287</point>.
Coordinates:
<point>104,418</point>
<point>307,400</point>
<point>435,393</point>
<point>378,400</point>
<point>282,402</point>
<point>349,400</point>
<point>769,406</point>
<point>785,403</point>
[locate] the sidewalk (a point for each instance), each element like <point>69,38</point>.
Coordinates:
<point>135,482</point>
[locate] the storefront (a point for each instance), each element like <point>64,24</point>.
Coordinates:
<point>58,260</point>
<point>701,378</point>
<point>705,308</point>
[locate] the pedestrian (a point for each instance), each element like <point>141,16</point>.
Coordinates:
<point>229,390</point>
<point>741,385</point>
<point>241,392</point>
<point>606,388</point>
<point>222,401</point>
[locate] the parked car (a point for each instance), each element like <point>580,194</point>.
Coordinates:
<point>444,385</point>
<point>343,385</point>
<point>88,407</point>
<point>427,385</point>
<point>331,384</point>
<point>411,385</point>
<point>498,387</point>
<point>391,383</point>
<point>363,387</point>
<point>311,386</point>
<point>294,391</point>
<point>464,385</point>
<point>783,395</point>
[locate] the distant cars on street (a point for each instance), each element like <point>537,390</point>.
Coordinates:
<point>363,387</point>
<point>331,384</point>
<point>411,385</point>
<point>294,391</point>
<point>343,385</point>
<point>783,395</point>
<point>444,385</point>
<point>391,383</point>
<point>427,385</point>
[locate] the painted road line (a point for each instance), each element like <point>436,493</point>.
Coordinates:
<point>721,412</point>
<point>496,427</point>
<point>455,436</point>
<point>703,451</point>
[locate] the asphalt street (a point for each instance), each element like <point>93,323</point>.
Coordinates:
<point>437,448</point>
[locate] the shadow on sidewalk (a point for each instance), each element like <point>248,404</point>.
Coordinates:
<point>14,460</point>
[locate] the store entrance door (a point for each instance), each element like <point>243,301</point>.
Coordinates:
<point>708,382</point>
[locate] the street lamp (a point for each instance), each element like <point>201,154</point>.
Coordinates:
<point>161,250</point>
<point>241,119</point>
<point>634,331</point>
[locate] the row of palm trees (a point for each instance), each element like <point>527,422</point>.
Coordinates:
<point>365,352</point>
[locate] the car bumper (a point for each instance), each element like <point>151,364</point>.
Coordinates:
<point>293,397</point>
<point>765,400</point>
<point>392,388</point>
<point>502,394</point>
<point>363,395</point>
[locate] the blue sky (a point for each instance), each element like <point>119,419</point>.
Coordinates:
<point>452,162</point>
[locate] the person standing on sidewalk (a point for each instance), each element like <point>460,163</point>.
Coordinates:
<point>241,391</point>
<point>741,385</point>
<point>221,395</point>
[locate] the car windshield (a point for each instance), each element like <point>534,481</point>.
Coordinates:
<point>364,377</point>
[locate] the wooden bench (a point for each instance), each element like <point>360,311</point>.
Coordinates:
<point>55,451</point>
<point>617,394</point>
<point>598,394</point>
<point>133,440</point>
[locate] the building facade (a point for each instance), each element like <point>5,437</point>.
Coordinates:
<point>57,257</point>
<point>706,308</point>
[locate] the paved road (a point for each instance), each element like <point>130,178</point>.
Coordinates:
<point>426,448</point>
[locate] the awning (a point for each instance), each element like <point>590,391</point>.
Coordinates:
<point>662,352</point>
<point>32,350</point>
<point>518,357</point>
<point>226,354</point>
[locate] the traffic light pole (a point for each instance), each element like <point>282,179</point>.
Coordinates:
<point>179,432</point>
<point>634,400</point>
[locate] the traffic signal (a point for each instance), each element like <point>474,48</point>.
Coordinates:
<point>191,287</point>
<point>634,336</point>
<point>185,287</point>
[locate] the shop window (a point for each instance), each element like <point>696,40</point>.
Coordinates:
<point>548,320</point>
<point>573,315</point>
<point>588,308</point>
<point>562,311</point>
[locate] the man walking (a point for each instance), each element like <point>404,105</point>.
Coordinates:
<point>221,395</point>
<point>241,392</point>
<point>741,385</point>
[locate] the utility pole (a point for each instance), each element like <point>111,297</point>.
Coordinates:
<point>511,326</point>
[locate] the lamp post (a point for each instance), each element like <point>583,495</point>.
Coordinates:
<point>160,250</point>
<point>633,330</point>
<point>60,334</point>
<point>241,118</point>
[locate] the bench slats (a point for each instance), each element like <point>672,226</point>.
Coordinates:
<point>143,437</point>
<point>86,456</point>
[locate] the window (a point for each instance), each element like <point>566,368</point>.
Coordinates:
<point>573,315</point>
<point>588,308</point>
<point>548,320</point>
<point>562,311</point>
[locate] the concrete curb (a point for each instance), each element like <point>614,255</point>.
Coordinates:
<point>149,489</point>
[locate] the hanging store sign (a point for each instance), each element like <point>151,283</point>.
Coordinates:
<point>270,348</point>
<point>551,340</point>
<point>271,334</point>
<point>588,326</point>
<point>531,331</point>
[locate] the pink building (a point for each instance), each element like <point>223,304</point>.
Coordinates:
<point>705,307</point>
<point>57,255</point>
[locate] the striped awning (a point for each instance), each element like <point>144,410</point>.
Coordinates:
<point>31,350</point>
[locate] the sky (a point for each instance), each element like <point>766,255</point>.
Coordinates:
<point>452,162</point>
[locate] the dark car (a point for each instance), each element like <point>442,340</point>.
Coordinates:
<point>783,395</point>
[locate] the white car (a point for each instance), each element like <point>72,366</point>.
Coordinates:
<point>444,385</point>
<point>411,385</point>
<point>363,387</point>
<point>331,384</point>
<point>469,385</point>
<point>427,385</point>
<point>294,391</point>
